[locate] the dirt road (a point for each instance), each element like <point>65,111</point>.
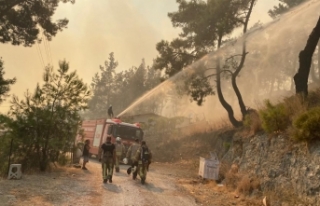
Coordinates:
<point>73,186</point>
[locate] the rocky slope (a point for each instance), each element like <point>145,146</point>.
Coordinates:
<point>289,173</point>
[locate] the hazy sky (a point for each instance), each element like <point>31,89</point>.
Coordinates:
<point>129,28</point>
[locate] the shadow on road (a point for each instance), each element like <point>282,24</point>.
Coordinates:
<point>112,188</point>
<point>86,171</point>
<point>122,173</point>
<point>151,187</point>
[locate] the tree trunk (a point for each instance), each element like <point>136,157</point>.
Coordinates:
<point>44,160</point>
<point>222,100</point>
<point>239,96</point>
<point>318,62</point>
<point>305,59</point>
<point>240,66</point>
<point>224,103</point>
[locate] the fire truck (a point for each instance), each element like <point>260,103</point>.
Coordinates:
<point>97,131</point>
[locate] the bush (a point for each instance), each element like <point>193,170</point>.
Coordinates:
<point>306,126</point>
<point>252,121</point>
<point>4,155</point>
<point>314,98</point>
<point>247,185</point>
<point>274,118</point>
<point>295,105</point>
<point>63,159</point>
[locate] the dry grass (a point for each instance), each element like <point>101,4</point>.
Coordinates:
<point>232,177</point>
<point>241,182</point>
<point>295,106</point>
<point>286,197</point>
<point>244,185</point>
<point>253,122</point>
<point>247,185</point>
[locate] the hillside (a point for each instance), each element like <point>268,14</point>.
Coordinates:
<point>255,164</point>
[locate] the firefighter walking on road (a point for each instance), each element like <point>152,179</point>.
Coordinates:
<point>143,156</point>
<point>107,156</point>
<point>131,156</point>
<point>120,150</point>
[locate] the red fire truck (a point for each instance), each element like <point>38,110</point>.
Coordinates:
<point>98,130</point>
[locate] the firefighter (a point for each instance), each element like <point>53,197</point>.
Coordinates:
<point>110,111</point>
<point>143,156</point>
<point>131,156</point>
<point>120,150</point>
<point>107,154</point>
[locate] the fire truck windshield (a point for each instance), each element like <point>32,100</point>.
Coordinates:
<point>126,132</point>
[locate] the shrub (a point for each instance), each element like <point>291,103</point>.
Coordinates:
<point>306,126</point>
<point>247,185</point>
<point>295,105</point>
<point>63,159</point>
<point>232,177</point>
<point>314,98</point>
<point>244,185</point>
<point>4,155</point>
<point>274,118</point>
<point>252,121</point>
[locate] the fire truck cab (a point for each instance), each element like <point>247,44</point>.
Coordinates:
<point>97,131</point>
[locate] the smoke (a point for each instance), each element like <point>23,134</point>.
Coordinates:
<point>267,74</point>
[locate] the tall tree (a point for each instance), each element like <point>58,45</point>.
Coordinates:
<point>305,61</point>
<point>202,26</point>
<point>283,7</point>
<point>213,21</point>
<point>103,88</point>
<point>153,78</point>
<point>47,121</point>
<point>4,83</point>
<point>21,20</point>
<point>175,56</point>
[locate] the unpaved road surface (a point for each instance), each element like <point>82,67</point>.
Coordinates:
<point>74,186</point>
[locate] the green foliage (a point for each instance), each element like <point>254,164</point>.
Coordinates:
<point>283,7</point>
<point>63,159</point>
<point>306,126</point>
<point>247,121</point>
<point>121,89</point>
<point>274,118</point>
<point>198,88</point>
<point>4,83</point>
<point>4,149</point>
<point>46,122</point>
<point>103,86</point>
<point>252,121</point>
<point>203,24</point>
<point>226,145</point>
<point>21,20</point>
<point>175,56</point>
<point>314,98</point>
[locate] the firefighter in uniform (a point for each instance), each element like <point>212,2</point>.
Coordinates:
<point>143,156</point>
<point>131,156</point>
<point>107,154</point>
<point>120,149</point>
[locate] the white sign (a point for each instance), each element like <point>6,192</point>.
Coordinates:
<point>97,135</point>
